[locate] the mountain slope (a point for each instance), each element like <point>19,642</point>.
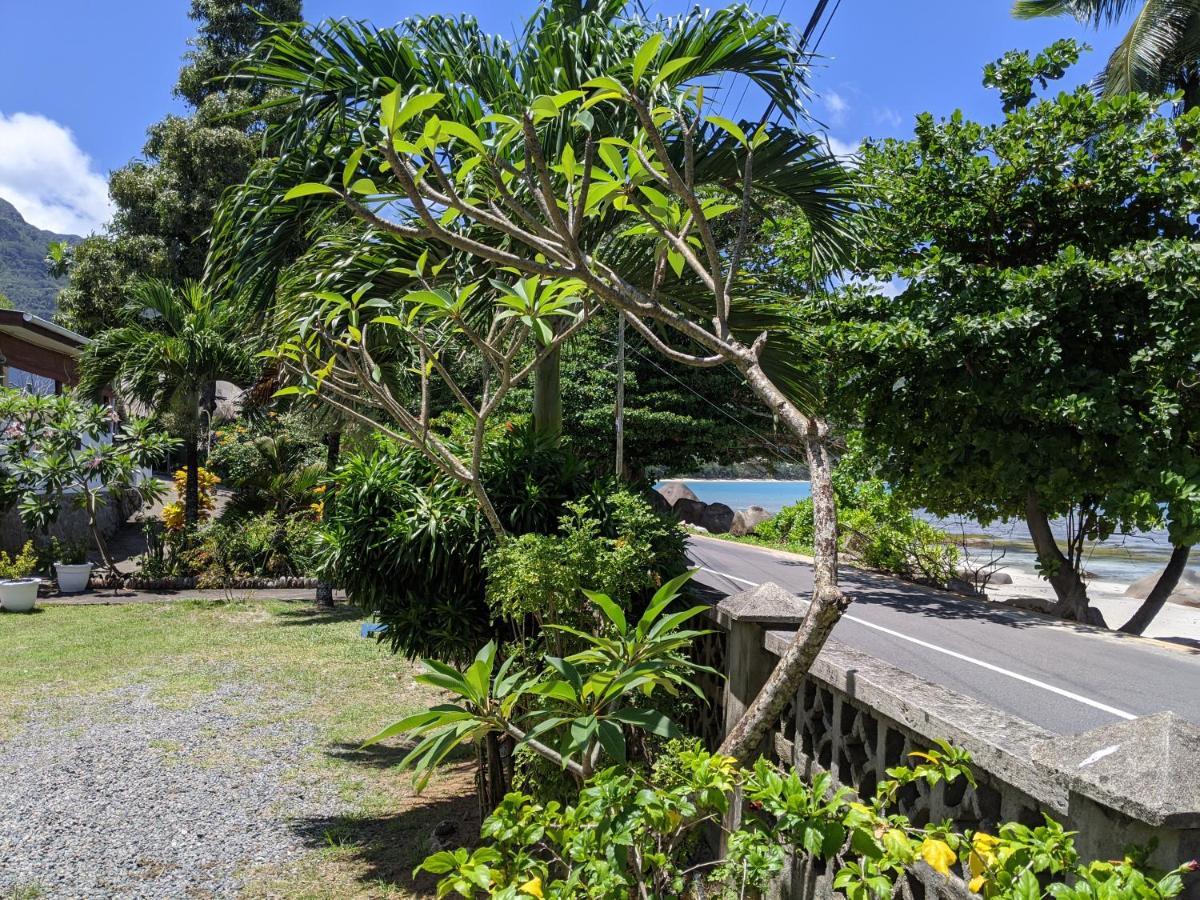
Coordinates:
<point>23,276</point>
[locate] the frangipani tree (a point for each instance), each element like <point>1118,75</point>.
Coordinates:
<point>483,188</point>
<point>61,449</point>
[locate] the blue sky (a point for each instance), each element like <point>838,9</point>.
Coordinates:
<point>80,80</point>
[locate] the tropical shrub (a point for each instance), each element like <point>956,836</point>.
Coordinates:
<point>572,710</point>
<point>791,525</point>
<point>19,565</point>
<point>614,543</point>
<point>173,516</point>
<point>876,528</point>
<point>265,545</point>
<point>61,449</point>
<point>407,544</point>
<point>879,529</point>
<point>269,461</point>
<point>635,833</point>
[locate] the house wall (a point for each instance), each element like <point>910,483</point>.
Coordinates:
<point>43,361</point>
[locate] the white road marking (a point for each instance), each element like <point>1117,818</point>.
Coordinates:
<point>1062,692</point>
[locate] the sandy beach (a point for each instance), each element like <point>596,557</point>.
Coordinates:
<point>1176,622</point>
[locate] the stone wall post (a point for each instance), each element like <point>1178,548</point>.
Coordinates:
<point>746,616</point>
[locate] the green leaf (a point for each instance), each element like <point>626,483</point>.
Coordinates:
<point>415,106</point>
<point>611,610</point>
<point>544,106</point>
<point>670,67</point>
<point>650,720</point>
<point>567,671</point>
<point>352,166</point>
<point>464,134</point>
<point>729,126</point>
<point>606,82</point>
<point>612,739</point>
<point>364,186</point>
<point>308,189</point>
<point>645,53</point>
<point>584,119</point>
<point>612,158</point>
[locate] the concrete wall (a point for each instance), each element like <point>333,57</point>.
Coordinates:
<point>72,524</point>
<point>855,716</point>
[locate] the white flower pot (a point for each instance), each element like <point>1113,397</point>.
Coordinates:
<point>19,594</point>
<point>72,577</point>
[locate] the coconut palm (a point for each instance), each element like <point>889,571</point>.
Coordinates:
<point>172,346</point>
<point>1159,52</point>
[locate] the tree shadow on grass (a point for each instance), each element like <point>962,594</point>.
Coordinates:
<point>310,614</point>
<point>385,848</point>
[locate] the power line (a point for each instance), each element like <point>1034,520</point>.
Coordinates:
<point>828,21</point>
<point>778,448</point>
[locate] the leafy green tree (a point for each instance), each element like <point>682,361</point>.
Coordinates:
<point>165,200</point>
<point>60,449</point>
<point>169,346</point>
<point>1159,52</point>
<point>601,193</point>
<point>1040,361</point>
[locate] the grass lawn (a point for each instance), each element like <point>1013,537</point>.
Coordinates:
<point>285,661</point>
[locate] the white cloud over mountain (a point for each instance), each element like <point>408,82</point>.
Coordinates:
<point>48,178</point>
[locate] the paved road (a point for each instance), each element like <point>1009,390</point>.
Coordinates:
<point>1063,678</point>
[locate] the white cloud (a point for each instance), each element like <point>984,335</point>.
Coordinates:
<point>842,148</point>
<point>837,106</point>
<point>48,178</point>
<point>889,117</point>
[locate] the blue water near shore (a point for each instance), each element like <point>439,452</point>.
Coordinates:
<point>770,495</point>
<point>1122,558</point>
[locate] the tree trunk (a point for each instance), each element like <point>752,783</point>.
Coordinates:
<point>828,602</point>
<point>1162,590</point>
<point>191,492</point>
<point>1068,585</point>
<point>94,527</point>
<point>824,611</point>
<point>333,451</point>
<point>547,396</point>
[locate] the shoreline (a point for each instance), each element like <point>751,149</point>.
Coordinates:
<point>1175,620</point>
<point>732,481</point>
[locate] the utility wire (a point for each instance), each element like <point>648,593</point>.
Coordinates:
<point>828,21</point>
<point>768,443</point>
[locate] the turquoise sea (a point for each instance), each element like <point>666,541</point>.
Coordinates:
<point>1121,558</point>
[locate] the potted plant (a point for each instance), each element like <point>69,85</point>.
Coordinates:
<point>18,592</point>
<point>71,567</point>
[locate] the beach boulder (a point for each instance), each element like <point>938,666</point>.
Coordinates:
<point>1187,591</point>
<point>690,511</point>
<point>717,517</point>
<point>746,520</point>
<point>673,491</point>
<point>978,576</point>
<point>659,503</point>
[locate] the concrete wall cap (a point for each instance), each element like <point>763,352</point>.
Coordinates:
<point>768,604</point>
<point>1144,767</point>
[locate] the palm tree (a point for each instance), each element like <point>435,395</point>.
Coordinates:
<point>173,344</point>
<point>1160,52</point>
<point>330,78</point>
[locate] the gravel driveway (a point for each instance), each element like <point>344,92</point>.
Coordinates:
<point>133,794</point>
